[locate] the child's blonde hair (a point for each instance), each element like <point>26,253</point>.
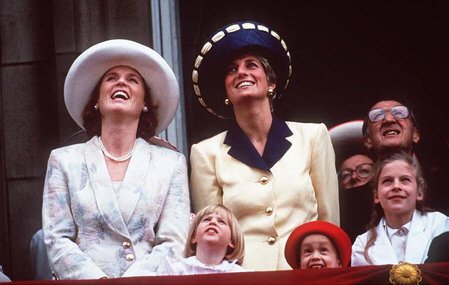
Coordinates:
<point>235,253</point>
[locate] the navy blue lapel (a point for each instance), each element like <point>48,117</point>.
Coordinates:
<point>243,150</point>
<point>277,144</point>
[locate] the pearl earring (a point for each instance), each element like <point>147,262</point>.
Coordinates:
<point>96,106</point>
<point>270,92</point>
<point>145,109</point>
<point>227,102</point>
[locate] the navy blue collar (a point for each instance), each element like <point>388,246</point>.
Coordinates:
<point>243,150</point>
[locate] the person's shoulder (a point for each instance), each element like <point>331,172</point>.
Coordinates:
<point>69,149</point>
<point>435,217</point>
<point>161,142</point>
<point>215,140</point>
<point>4,278</point>
<point>305,127</point>
<point>362,238</point>
<point>234,267</point>
<point>309,132</point>
<point>162,148</point>
<point>443,238</point>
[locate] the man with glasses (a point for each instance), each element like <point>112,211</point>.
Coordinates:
<point>390,126</point>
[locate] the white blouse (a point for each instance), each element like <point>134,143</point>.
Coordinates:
<point>389,246</point>
<point>191,265</point>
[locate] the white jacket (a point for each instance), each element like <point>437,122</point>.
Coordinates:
<point>423,228</point>
<point>88,234</point>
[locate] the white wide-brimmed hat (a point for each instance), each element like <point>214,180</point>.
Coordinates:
<point>90,66</point>
<point>347,140</point>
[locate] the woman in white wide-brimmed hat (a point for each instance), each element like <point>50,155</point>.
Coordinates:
<point>115,205</point>
<point>272,174</point>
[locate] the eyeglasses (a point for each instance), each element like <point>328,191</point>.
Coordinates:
<point>398,112</point>
<point>363,170</point>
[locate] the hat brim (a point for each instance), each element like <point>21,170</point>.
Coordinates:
<point>347,140</point>
<point>209,67</point>
<point>87,70</point>
<point>337,235</point>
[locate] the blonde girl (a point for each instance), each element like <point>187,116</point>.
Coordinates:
<point>214,244</point>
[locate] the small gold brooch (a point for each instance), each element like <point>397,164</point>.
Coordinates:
<point>405,273</point>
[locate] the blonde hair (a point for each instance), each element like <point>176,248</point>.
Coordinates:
<point>378,211</point>
<point>235,253</point>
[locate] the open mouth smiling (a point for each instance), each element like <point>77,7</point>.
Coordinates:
<point>391,132</point>
<point>244,84</point>
<point>120,95</point>
<point>316,266</point>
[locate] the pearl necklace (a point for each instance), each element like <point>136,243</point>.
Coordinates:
<point>115,158</point>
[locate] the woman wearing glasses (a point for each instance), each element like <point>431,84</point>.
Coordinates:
<point>353,161</point>
<point>355,171</point>
<point>355,168</point>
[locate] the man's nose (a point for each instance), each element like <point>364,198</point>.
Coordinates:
<point>389,117</point>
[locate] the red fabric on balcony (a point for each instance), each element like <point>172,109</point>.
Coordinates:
<point>436,273</point>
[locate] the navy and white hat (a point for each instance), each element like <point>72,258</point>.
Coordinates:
<point>209,67</point>
<point>87,70</point>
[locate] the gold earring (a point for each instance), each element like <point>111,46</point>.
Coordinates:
<point>270,92</point>
<point>227,102</point>
<point>96,106</point>
<point>145,109</point>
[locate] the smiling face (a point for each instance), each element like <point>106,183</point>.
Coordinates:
<point>246,79</point>
<point>213,230</point>
<point>390,133</point>
<point>397,190</point>
<point>318,251</point>
<point>121,92</point>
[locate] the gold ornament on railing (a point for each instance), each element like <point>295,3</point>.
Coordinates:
<point>405,273</point>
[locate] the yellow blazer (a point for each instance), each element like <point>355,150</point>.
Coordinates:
<point>292,183</point>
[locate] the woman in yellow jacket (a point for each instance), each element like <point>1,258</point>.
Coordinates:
<point>273,175</point>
